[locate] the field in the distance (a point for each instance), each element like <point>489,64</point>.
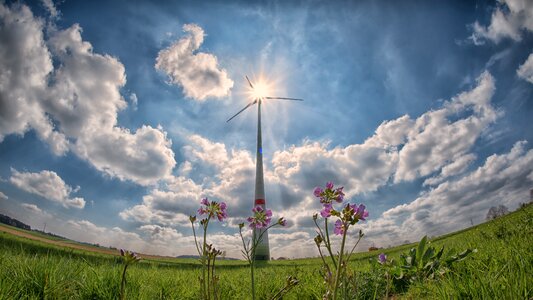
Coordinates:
<point>50,268</point>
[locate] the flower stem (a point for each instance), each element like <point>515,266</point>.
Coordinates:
<point>337,281</point>
<point>252,266</point>
<point>328,244</point>
<point>205,284</point>
<point>123,283</point>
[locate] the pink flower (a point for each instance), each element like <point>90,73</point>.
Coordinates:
<point>382,258</point>
<point>339,228</point>
<point>213,209</point>
<point>339,194</point>
<point>282,222</point>
<point>329,194</point>
<point>326,211</point>
<point>261,218</point>
<point>318,191</point>
<point>361,213</point>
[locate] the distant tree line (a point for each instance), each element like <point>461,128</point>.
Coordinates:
<point>13,222</point>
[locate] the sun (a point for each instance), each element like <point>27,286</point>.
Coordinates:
<point>261,89</point>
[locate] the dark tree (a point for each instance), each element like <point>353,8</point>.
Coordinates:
<point>502,210</point>
<point>496,212</point>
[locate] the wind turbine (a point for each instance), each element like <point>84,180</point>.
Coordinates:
<point>263,250</point>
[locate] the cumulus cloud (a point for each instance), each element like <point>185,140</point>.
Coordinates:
<point>503,179</point>
<point>25,63</point>
<point>508,20</point>
<point>197,72</point>
<point>31,207</point>
<point>73,106</point>
<point>48,185</point>
<point>455,168</point>
<point>525,71</point>
<point>435,141</point>
<point>404,149</point>
<point>170,205</point>
<point>3,196</point>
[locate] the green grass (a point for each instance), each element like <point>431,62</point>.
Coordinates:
<point>501,269</point>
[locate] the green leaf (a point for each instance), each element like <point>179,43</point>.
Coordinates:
<point>421,248</point>
<point>439,254</point>
<point>427,255</point>
<point>412,257</point>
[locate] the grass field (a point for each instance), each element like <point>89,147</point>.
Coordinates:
<point>502,268</point>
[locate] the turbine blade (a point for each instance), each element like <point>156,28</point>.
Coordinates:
<point>282,98</point>
<point>250,83</point>
<point>240,111</point>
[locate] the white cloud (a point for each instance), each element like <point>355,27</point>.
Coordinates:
<point>170,206</point>
<point>525,71</point>
<point>75,105</point>
<point>455,168</point>
<point>48,185</point>
<point>506,23</point>
<point>159,234</point>
<point>404,148</point>
<point>435,141</point>
<point>502,179</point>
<point>31,207</point>
<point>3,196</point>
<point>51,8</point>
<point>25,64</point>
<point>197,72</point>
<point>134,101</point>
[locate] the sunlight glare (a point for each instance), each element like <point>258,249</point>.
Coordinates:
<point>261,89</point>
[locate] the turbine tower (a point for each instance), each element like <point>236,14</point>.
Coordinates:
<point>262,251</point>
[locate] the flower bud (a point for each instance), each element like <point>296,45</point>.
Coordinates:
<point>318,240</point>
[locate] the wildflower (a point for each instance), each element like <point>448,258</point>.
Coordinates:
<point>129,256</point>
<point>261,218</point>
<point>329,194</point>
<point>318,191</point>
<point>382,258</point>
<point>361,213</point>
<point>326,211</point>
<point>282,222</point>
<point>340,194</point>
<point>339,228</point>
<point>213,209</point>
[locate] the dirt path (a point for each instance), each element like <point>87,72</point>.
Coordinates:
<point>68,244</point>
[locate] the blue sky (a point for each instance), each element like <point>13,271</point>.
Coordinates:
<point>112,119</point>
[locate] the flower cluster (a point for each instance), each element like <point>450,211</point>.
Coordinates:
<point>261,218</point>
<point>349,215</point>
<point>129,256</point>
<point>327,196</point>
<point>213,209</point>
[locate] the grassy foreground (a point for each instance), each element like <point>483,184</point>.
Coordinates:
<point>502,268</point>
